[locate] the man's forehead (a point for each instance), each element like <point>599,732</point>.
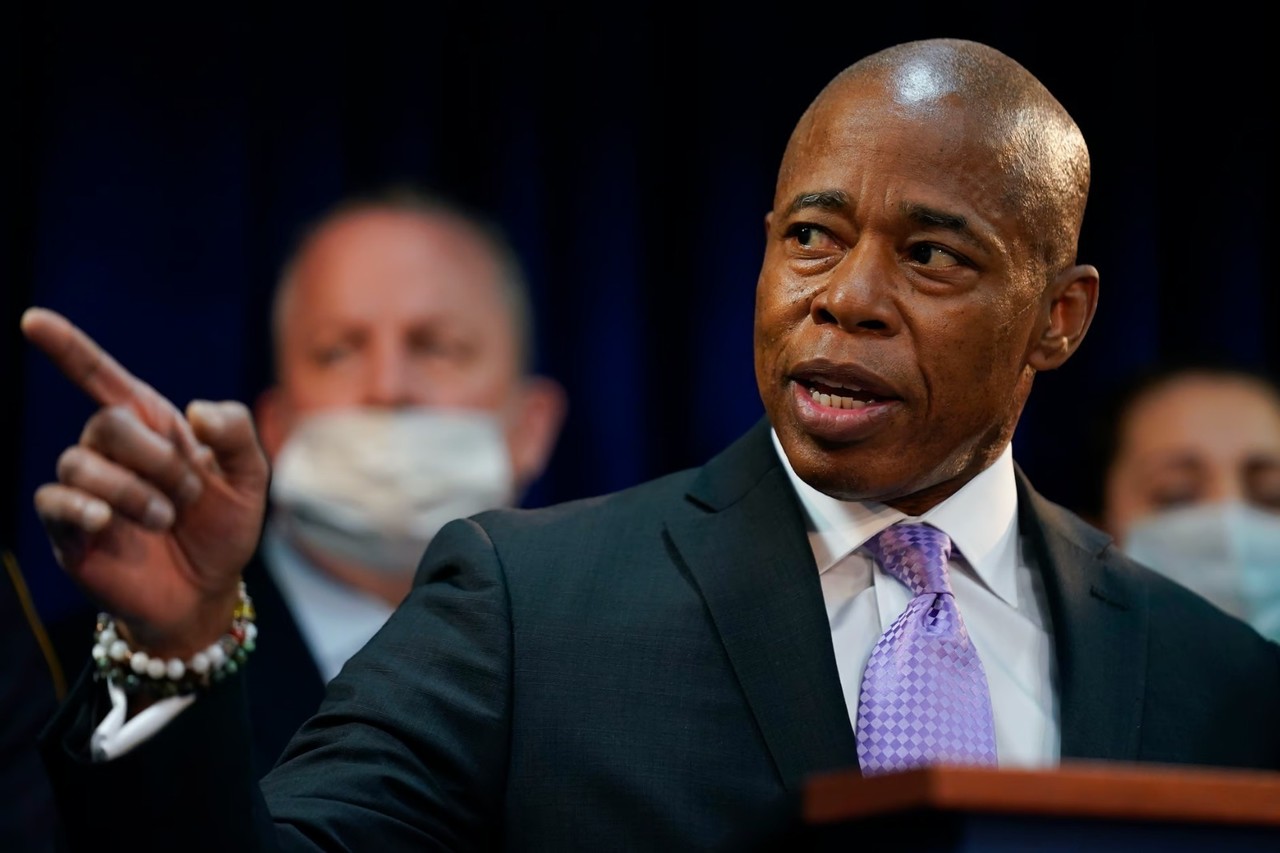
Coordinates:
<point>399,301</point>
<point>412,300</point>
<point>908,164</point>
<point>1203,406</point>
<point>401,260</point>
<point>375,239</point>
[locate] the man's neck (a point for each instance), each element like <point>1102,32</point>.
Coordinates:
<point>391,588</point>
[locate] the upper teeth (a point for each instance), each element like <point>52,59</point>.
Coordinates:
<point>837,401</point>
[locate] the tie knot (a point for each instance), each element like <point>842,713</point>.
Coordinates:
<point>915,554</point>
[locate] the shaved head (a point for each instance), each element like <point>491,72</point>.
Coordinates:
<point>999,104</point>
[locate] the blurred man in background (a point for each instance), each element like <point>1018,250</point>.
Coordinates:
<point>1189,483</point>
<point>403,338</point>
<point>403,397</point>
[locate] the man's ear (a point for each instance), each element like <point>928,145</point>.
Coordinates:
<point>270,413</point>
<point>1070,303</point>
<point>534,427</point>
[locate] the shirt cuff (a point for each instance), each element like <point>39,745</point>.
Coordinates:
<point>116,734</point>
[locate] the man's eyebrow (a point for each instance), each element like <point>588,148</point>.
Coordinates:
<point>934,218</point>
<point>1186,460</point>
<point>825,199</point>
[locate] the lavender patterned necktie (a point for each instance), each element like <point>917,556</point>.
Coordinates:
<point>924,694</point>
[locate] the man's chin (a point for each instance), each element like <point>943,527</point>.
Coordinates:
<point>850,473</point>
<point>872,470</point>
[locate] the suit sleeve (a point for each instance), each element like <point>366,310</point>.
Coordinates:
<point>189,786</point>
<point>408,750</point>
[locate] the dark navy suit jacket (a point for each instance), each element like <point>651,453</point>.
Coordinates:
<point>650,670</point>
<point>284,683</point>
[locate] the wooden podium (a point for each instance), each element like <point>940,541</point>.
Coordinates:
<point>1094,807</point>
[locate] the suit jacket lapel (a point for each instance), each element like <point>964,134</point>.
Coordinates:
<point>749,555</point>
<point>1099,623</point>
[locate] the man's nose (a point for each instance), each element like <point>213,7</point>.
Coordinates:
<point>390,379</point>
<point>858,294</point>
<point>1228,487</point>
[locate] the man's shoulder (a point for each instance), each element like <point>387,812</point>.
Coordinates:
<point>1177,605</point>
<point>725,477</point>
<point>654,498</point>
<point>563,545</point>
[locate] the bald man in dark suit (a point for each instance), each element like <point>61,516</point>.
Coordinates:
<point>662,668</point>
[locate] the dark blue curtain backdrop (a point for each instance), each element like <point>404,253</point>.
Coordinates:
<point>160,161</point>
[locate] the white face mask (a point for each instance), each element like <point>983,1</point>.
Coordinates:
<point>373,486</point>
<point>1227,552</point>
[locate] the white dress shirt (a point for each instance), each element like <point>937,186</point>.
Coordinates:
<point>996,590</point>
<point>334,619</point>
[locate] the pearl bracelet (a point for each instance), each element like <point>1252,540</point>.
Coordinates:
<point>138,672</point>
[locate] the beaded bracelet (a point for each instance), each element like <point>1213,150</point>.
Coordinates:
<point>138,672</point>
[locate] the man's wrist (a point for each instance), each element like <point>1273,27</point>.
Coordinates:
<point>145,675</point>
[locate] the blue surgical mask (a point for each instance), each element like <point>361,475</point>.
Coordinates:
<point>1227,552</point>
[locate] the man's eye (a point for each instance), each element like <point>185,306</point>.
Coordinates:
<point>929,255</point>
<point>433,349</point>
<point>1262,484</point>
<point>437,346</point>
<point>1271,503</point>
<point>1265,495</point>
<point>809,236</point>
<point>1174,497</point>
<point>331,354</point>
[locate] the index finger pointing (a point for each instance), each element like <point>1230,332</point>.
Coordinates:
<point>103,378</point>
<point>80,358</point>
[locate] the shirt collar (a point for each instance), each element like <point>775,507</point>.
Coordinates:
<point>981,519</point>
